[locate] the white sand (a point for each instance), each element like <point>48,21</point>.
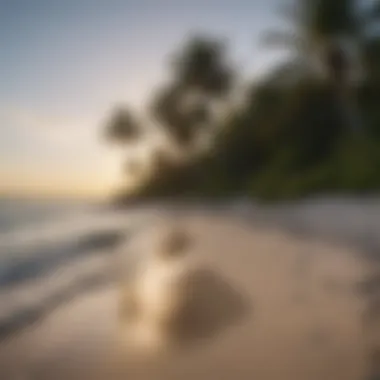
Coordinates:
<point>278,307</point>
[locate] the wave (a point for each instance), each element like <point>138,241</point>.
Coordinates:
<point>48,264</point>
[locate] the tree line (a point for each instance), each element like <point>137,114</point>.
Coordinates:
<point>311,125</point>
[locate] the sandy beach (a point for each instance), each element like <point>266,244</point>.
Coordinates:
<point>274,306</point>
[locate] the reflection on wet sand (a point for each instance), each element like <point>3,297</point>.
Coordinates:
<point>211,305</point>
<point>240,319</point>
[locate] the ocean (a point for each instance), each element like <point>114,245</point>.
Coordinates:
<point>54,250</point>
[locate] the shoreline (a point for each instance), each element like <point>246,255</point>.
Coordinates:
<point>288,219</point>
<point>274,269</point>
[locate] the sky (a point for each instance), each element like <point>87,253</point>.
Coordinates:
<point>65,64</point>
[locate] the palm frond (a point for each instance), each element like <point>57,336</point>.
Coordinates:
<point>122,127</point>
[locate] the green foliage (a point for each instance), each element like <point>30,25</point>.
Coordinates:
<point>293,136</point>
<point>286,143</point>
<point>354,167</point>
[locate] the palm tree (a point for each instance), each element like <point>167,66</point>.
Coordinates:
<point>181,119</point>
<point>202,66</point>
<point>322,35</point>
<point>202,75</point>
<point>122,127</point>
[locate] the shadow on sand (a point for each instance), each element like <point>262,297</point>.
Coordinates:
<point>212,306</point>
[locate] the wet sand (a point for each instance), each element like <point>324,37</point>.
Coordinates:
<point>266,305</point>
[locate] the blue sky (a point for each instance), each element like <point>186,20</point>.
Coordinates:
<point>63,64</point>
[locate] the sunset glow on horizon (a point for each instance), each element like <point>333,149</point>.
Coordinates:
<point>66,64</point>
